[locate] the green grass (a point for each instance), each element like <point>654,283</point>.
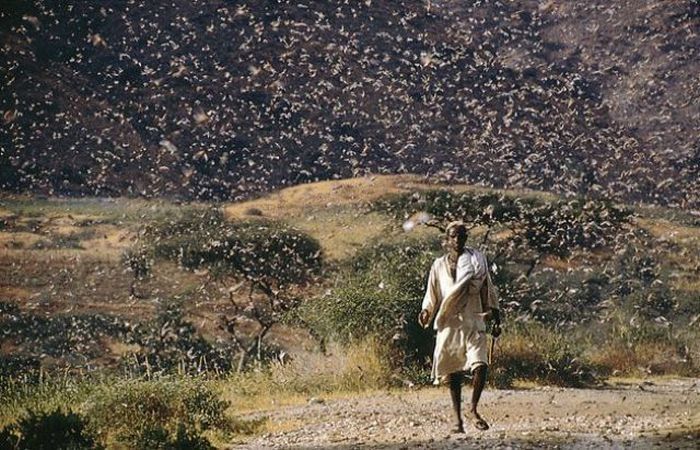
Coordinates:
<point>49,393</point>
<point>123,411</point>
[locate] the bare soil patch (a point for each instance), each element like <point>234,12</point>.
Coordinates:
<point>622,414</point>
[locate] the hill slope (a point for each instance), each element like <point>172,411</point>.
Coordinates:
<point>219,99</point>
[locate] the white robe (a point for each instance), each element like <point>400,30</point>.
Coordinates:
<point>457,306</point>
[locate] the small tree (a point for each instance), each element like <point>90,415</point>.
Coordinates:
<point>271,258</point>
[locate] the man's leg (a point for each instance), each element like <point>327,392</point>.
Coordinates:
<point>479,381</point>
<point>455,380</point>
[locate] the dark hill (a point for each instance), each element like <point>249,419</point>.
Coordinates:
<point>223,99</point>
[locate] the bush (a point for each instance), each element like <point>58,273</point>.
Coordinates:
<point>56,430</point>
<point>58,335</point>
<point>170,342</point>
<point>535,353</point>
<point>139,261</point>
<point>482,209</point>
<point>559,227</point>
<point>13,367</point>
<point>8,439</point>
<point>552,297</point>
<point>156,414</point>
<point>643,284</point>
<point>271,257</point>
<point>379,292</point>
<point>254,249</point>
<point>158,438</point>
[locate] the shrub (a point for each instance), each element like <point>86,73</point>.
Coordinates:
<point>379,292</point>
<point>559,227</point>
<point>170,342</point>
<point>139,261</point>
<point>158,438</point>
<point>137,413</point>
<point>14,367</point>
<point>44,391</point>
<point>254,249</point>
<point>8,439</point>
<point>643,284</point>
<point>536,353</point>
<point>474,208</point>
<point>552,297</point>
<point>58,335</point>
<point>355,367</point>
<point>56,430</point>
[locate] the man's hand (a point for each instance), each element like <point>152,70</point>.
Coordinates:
<point>492,314</point>
<point>424,318</point>
<point>496,328</point>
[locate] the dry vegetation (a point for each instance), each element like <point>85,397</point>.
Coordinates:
<point>64,259</point>
<point>78,268</point>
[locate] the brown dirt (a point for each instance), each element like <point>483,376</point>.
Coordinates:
<point>623,414</point>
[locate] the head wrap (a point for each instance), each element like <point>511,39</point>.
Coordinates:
<point>456,223</point>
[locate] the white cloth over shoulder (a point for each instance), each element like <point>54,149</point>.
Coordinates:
<point>457,305</point>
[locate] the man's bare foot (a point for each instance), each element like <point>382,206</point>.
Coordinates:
<point>457,427</point>
<point>477,420</point>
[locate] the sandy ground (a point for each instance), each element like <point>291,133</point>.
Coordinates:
<point>623,414</point>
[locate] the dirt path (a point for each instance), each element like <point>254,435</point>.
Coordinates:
<point>646,414</point>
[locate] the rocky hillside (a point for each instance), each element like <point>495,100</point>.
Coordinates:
<point>224,99</point>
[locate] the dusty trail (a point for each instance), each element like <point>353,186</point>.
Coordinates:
<point>624,414</point>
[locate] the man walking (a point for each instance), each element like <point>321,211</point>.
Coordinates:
<point>461,298</point>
